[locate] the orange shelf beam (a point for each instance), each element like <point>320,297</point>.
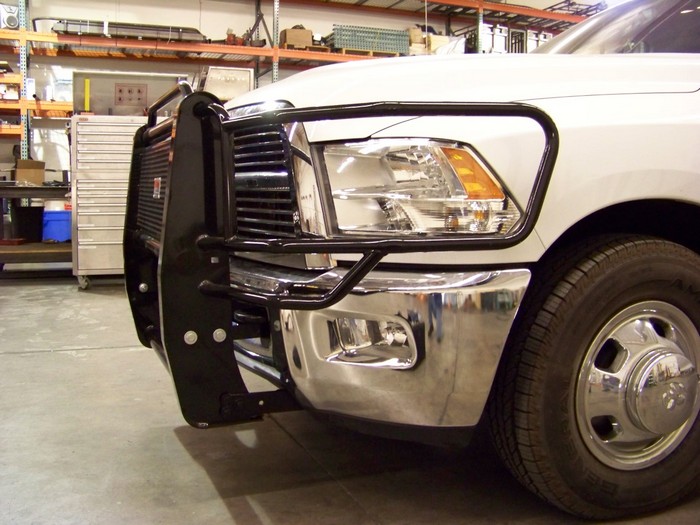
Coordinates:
<point>10,131</point>
<point>130,48</point>
<point>36,105</point>
<point>10,78</point>
<point>471,4</point>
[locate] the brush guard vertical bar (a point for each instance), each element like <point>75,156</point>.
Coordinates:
<point>191,331</point>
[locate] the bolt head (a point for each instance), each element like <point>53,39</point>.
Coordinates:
<point>219,335</point>
<point>190,337</point>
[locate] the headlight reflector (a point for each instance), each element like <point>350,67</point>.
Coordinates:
<point>260,107</point>
<point>406,186</point>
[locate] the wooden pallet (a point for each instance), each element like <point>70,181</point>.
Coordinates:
<point>316,49</point>
<point>366,52</point>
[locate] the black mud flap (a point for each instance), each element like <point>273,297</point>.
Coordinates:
<point>178,192</point>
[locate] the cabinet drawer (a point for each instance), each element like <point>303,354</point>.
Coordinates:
<point>101,208</point>
<point>100,235</point>
<point>107,192</point>
<point>100,257</point>
<point>120,165</point>
<point>100,220</point>
<point>103,198</point>
<point>103,185</point>
<point>108,129</point>
<point>116,200</point>
<point>100,177</point>
<point>97,143</point>
<point>116,161</point>
<point>123,157</point>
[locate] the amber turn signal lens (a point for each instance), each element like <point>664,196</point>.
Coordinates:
<point>477,183</point>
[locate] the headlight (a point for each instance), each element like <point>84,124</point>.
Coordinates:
<point>406,186</point>
<point>260,107</point>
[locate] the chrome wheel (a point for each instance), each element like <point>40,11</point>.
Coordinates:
<point>597,408</point>
<point>637,390</point>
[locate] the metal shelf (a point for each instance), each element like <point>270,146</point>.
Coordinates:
<point>55,45</point>
<point>35,252</point>
<point>22,41</point>
<point>555,18</point>
<point>559,17</point>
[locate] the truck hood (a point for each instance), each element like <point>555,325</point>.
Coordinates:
<point>482,78</point>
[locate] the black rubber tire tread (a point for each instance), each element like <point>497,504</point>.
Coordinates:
<point>514,416</point>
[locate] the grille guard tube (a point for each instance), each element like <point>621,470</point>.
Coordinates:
<point>299,301</point>
<point>409,109</point>
<point>374,248</point>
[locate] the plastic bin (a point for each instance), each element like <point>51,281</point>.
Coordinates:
<point>57,226</point>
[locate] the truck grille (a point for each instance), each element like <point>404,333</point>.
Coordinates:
<point>265,201</point>
<point>152,188</point>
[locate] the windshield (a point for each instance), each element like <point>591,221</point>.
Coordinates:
<point>641,26</point>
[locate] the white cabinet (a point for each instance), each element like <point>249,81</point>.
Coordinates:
<point>101,157</point>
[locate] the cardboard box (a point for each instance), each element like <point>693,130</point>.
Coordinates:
<point>436,41</point>
<point>415,35</point>
<point>296,37</point>
<point>31,171</point>
<point>417,49</point>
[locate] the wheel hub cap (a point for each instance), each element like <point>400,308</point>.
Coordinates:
<point>638,392</point>
<point>661,392</point>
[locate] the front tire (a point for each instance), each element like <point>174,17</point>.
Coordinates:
<point>596,405</point>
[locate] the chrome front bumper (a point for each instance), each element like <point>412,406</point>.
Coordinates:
<point>442,376</point>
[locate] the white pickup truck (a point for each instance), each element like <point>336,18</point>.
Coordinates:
<point>415,246</point>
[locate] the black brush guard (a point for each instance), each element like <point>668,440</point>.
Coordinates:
<point>180,236</point>
<point>176,195</point>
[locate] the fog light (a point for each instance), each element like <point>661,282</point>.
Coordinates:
<point>354,334</point>
<point>374,343</point>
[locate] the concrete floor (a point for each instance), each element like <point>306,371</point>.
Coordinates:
<point>91,433</point>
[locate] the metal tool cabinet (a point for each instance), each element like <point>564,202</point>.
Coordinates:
<point>100,159</point>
